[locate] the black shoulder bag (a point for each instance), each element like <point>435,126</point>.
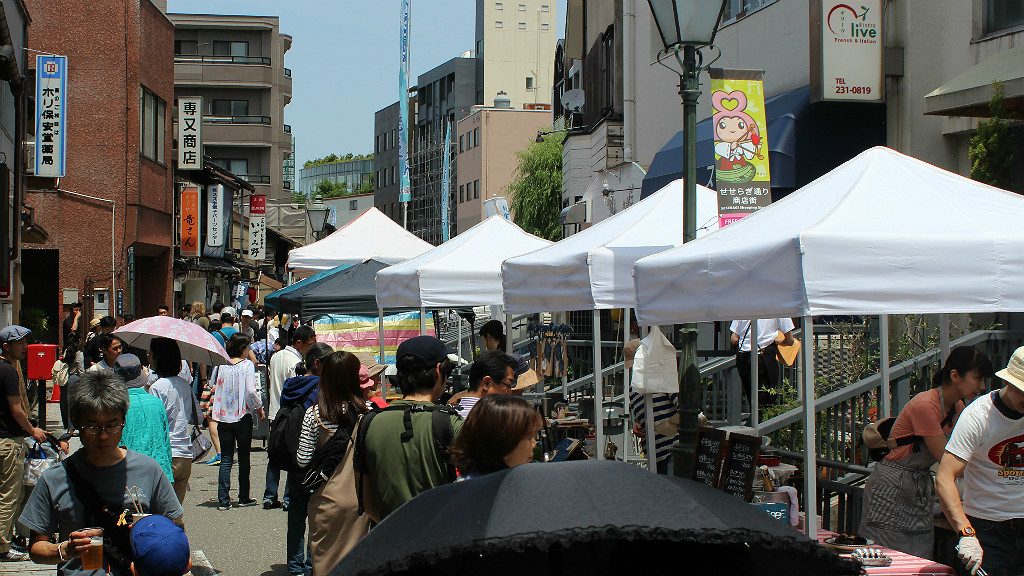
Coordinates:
<point>117,546</point>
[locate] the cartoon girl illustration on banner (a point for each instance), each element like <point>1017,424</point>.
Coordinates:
<point>737,138</point>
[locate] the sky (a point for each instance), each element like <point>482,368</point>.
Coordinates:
<point>344,59</point>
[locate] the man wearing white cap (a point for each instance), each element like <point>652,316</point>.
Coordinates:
<point>14,425</point>
<point>987,449</point>
<point>245,325</point>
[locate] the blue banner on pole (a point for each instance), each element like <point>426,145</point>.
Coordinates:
<point>405,192</point>
<point>446,184</point>
<point>51,111</point>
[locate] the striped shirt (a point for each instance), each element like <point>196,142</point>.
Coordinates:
<point>310,432</point>
<point>664,407</point>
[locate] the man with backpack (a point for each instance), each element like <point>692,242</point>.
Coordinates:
<point>227,325</point>
<point>402,450</point>
<point>297,395</point>
<point>282,367</point>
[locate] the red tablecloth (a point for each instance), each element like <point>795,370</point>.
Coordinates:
<point>902,564</point>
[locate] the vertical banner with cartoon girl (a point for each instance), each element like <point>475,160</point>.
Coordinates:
<point>741,143</point>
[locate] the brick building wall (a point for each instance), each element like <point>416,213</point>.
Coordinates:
<point>114,48</point>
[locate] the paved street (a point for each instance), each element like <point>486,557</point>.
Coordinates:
<point>240,541</point>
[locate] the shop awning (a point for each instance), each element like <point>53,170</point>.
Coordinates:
<point>968,94</point>
<point>206,265</point>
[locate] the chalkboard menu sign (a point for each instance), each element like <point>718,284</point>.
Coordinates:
<point>740,465</point>
<point>707,462</point>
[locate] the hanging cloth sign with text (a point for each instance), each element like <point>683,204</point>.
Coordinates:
<point>190,219</point>
<point>742,177</point>
<point>214,215</point>
<point>257,227</point>
<point>51,115</point>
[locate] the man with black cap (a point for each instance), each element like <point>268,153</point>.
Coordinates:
<point>14,425</point>
<point>397,455</point>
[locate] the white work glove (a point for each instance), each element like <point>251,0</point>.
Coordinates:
<point>969,550</point>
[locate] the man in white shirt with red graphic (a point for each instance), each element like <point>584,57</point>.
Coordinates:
<point>987,449</point>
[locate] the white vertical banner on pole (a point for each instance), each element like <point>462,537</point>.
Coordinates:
<point>190,133</point>
<point>257,227</point>
<point>51,115</point>
<point>214,215</point>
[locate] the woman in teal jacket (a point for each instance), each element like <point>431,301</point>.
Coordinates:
<point>145,424</point>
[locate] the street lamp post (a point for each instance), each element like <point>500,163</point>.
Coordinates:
<point>687,25</point>
<point>317,215</point>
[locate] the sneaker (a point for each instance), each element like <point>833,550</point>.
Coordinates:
<point>13,556</point>
<point>284,506</point>
<point>224,507</point>
<point>246,503</point>
<point>215,461</point>
<point>271,504</point>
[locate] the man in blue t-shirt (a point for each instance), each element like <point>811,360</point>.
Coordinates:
<point>227,325</point>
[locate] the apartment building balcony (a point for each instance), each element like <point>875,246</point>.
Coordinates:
<point>239,130</point>
<point>242,71</point>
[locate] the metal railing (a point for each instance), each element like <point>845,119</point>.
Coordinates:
<point>210,59</point>
<point>240,119</point>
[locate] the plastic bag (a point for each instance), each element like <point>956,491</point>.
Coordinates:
<point>39,457</point>
<point>655,369</point>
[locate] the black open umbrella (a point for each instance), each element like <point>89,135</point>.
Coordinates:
<point>579,518</point>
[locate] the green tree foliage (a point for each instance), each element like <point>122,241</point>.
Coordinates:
<point>335,158</point>
<point>298,198</point>
<point>536,189</point>
<point>991,147</point>
<point>327,189</point>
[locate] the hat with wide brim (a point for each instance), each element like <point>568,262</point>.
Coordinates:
<point>1014,371</point>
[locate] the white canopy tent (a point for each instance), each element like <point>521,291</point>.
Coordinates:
<point>883,233</point>
<point>464,271</point>
<point>592,269</point>
<point>370,236</point>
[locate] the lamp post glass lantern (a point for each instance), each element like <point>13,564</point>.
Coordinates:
<point>688,25</point>
<point>317,214</point>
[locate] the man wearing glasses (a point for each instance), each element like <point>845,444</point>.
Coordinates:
<point>491,373</point>
<point>96,487</point>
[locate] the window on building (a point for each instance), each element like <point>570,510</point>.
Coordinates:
<point>462,143</point>
<point>230,48</point>
<point>499,6</point>
<point>462,193</point>
<point>545,7</point>
<point>545,26</point>
<point>529,82</point>
<point>1003,14</point>
<point>608,68</point>
<point>186,47</point>
<point>522,8</point>
<point>480,47</point>
<point>237,166</point>
<point>522,25</point>
<point>476,189</point>
<point>499,24</point>
<point>230,108</point>
<point>476,137</point>
<point>394,174</point>
<point>394,137</point>
<point>353,205</point>
<point>152,110</point>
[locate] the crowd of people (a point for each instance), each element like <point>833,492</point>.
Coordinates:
<point>356,458</point>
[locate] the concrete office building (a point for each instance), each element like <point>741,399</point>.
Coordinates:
<point>515,49</point>
<point>236,63</point>
<point>444,96</point>
<point>356,175</point>
<point>118,154</point>
<point>489,141</point>
<point>347,208</point>
<point>385,162</point>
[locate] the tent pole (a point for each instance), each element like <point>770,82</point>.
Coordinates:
<point>884,402</point>
<point>460,336</point>
<point>943,337</point>
<point>626,428</point>
<point>380,347</point>
<point>565,369</point>
<point>598,392</point>
<point>423,320</point>
<point>652,457</point>
<point>508,333</point>
<point>755,385</point>
<point>810,442</point>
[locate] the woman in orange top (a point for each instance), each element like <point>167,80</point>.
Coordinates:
<point>900,494</point>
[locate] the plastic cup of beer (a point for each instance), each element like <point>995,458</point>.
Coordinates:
<point>93,557</point>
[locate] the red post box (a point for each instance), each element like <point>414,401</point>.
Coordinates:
<point>40,361</point>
